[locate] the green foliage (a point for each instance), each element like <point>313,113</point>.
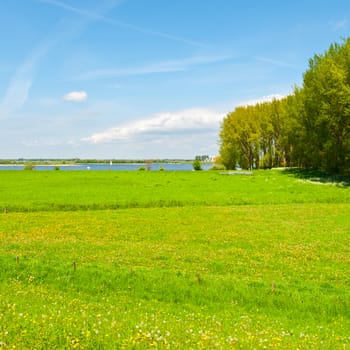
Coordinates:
<point>197,165</point>
<point>310,128</point>
<point>326,114</point>
<point>28,166</point>
<point>217,167</point>
<point>254,137</point>
<point>202,158</point>
<point>229,149</point>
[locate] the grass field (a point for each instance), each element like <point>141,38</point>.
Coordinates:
<point>178,260</point>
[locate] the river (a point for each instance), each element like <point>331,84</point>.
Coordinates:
<point>113,166</point>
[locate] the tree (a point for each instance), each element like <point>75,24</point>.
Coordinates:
<point>229,153</point>
<point>252,136</point>
<point>310,128</point>
<point>240,139</point>
<point>292,136</point>
<point>326,116</point>
<point>197,165</point>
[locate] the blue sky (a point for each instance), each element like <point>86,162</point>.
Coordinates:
<point>144,79</point>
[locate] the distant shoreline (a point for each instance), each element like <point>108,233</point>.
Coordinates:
<point>63,162</point>
<point>35,164</point>
<point>170,166</point>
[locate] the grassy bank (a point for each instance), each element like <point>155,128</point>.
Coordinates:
<point>271,272</point>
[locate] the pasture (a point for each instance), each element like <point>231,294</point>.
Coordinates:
<point>178,260</point>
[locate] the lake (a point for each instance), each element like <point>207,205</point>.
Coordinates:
<point>116,166</point>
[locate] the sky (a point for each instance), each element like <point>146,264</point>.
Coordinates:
<point>148,79</point>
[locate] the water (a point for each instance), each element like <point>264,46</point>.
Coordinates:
<point>116,166</point>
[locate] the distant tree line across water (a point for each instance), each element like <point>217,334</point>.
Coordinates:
<point>42,161</point>
<point>309,128</point>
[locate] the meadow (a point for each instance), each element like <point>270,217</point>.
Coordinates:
<point>178,260</point>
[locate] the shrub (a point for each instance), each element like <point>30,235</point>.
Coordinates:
<point>218,167</point>
<point>28,166</point>
<point>197,165</point>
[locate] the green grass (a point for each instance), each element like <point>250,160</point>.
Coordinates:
<point>225,262</point>
<point>88,190</point>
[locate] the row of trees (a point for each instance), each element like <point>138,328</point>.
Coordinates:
<point>309,128</point>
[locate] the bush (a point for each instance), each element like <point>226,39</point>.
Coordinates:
<point>197,165</point>
<point>218,167</point>
<point>28,166</point>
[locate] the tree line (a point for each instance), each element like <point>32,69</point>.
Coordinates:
<point>309,128</point>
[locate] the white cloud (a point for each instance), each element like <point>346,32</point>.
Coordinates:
<point>19,86</point>
<point>76,96</point>
<point>176,124</point>
<point>16,95</point>
<point>263,99</point>
<point>337,25</point>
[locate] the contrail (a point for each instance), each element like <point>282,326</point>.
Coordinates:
<point>97,16</point>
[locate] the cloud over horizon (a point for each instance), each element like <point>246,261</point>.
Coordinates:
<point>76,96</point>
<point>176,124</point>
<point>268,98</point>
